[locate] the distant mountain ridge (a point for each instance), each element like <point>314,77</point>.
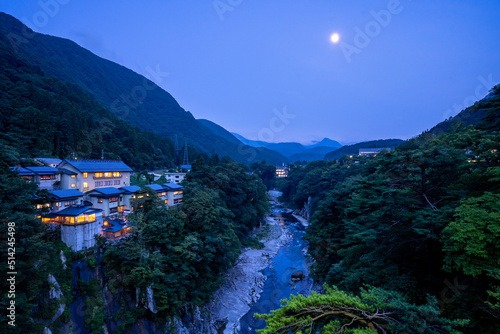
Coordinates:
<point>128,95</point>
<point>295,151</point>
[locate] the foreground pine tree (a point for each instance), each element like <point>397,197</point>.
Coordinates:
<point>374,311</point>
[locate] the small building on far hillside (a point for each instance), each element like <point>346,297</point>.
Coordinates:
<point>175,177</point>
<point>365,152</point>
<point>282,171</point>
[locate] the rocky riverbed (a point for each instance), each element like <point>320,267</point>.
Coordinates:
<point>262,277</point>
<point>244,283</point>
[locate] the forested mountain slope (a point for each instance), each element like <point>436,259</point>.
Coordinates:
<point>128,95</point>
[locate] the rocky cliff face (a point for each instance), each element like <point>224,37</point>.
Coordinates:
<point>305,212</point>
<point>193,320</point>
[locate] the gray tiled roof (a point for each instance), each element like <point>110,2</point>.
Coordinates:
<point>74,211</point>
<point>156,187</point>
<point>114,225</point>
<point>131,189</point>
<point>44,170</point>
<point>22,171</point>
<point>67,193</point>
<point>99,165</point>
<point>173,186</point>
<point>107,191</point>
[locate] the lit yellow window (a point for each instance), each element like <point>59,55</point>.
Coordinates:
<point>85,175</point>
<point>81,219</point>
<point>73,185</point>
<point>166,201</point>
<point>73,176</point>
<point>107,174</point>
<point>116,174</point>
<point>98,174</point>
<point>85,184</point>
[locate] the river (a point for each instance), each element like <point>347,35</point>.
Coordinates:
<point>278,285</point>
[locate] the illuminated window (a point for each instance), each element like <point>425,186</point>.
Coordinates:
<point>68,203</point>
<point>47,177</point>
<point>163,194</point>
<point>166,201</point>
<point>91,217</point>
<point>99,200</point>
<point>85,184</point>
<point>85,175</point>
<point>73,185</point>
<point>116,174</point>
<point>98,174</point>
<point>73,176</point>
<point>107,174</point>
<point>81,219</point>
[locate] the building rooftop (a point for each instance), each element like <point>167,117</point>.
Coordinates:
<point>68,193</point>
<point>107,191</point>
<point>173,186</point>
<point>49,160</point>
<point>22,171</point>
<point>98,165</point>
<point>156,187</point>
<point>44,170</point>
<point>130,189</point>
<point>75,211</point>
<point>114,225</point>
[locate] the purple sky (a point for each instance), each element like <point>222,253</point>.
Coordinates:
<point>400,66</point>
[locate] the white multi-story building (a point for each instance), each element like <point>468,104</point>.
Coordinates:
<point>175,177</point>
<point>91,174</point>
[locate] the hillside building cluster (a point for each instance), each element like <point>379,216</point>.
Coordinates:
<point>90,197</point>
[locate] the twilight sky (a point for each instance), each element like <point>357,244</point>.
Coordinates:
<point>268,70</point>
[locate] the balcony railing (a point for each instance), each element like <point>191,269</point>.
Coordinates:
<point>106,177</point>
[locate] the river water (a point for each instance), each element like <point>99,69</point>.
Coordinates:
<point>290,257</point>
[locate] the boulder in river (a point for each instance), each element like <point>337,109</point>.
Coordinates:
<point>298,275</point>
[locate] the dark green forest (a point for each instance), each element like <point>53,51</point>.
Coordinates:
<point>420,224</point>
<point>182,254</point>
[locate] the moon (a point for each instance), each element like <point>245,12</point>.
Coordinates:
<point>335,38</point>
